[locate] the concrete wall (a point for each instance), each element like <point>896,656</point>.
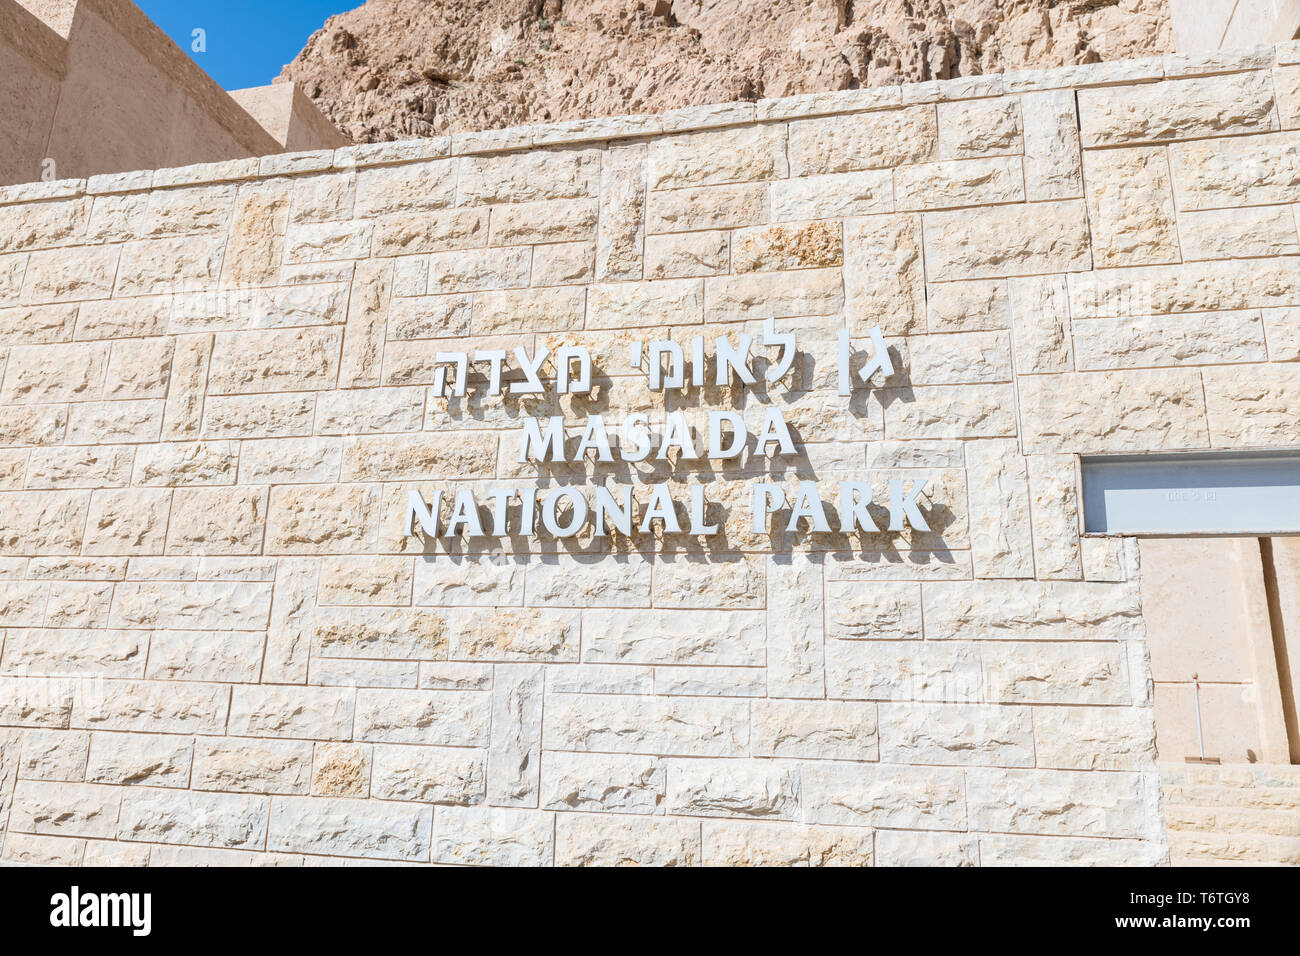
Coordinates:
<point>221,643</point>
<point>97,88</point>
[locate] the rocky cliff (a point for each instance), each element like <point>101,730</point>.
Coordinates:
<point>392,69</point>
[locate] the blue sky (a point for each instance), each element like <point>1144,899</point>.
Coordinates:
<point>248,41</point>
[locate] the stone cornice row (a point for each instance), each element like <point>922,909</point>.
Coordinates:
<point>688,119</point>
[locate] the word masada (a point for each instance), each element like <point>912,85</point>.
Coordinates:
<point>566,511</point>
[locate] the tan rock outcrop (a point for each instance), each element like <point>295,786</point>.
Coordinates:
<point>393,69</point>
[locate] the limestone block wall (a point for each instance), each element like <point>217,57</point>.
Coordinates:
<point>221,644</point>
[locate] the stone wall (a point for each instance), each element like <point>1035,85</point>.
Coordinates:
<point>221,644</point>
<point>1231,815</point>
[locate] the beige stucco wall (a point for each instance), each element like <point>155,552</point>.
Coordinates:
<point>1203,26</point>
<point>1284,554</point>
<point>284,111</point>
<point>217,396</point>
<point>1205,603</point>
<point>93,86</point>
<point>33,56</point>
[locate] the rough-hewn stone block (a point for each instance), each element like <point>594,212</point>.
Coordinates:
<point>863,141</point>
<point>1007,241</point>
<point>1131,206</point>
<point>1113,411</point>
<point>717,157</point>
<point>1177,109</point>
